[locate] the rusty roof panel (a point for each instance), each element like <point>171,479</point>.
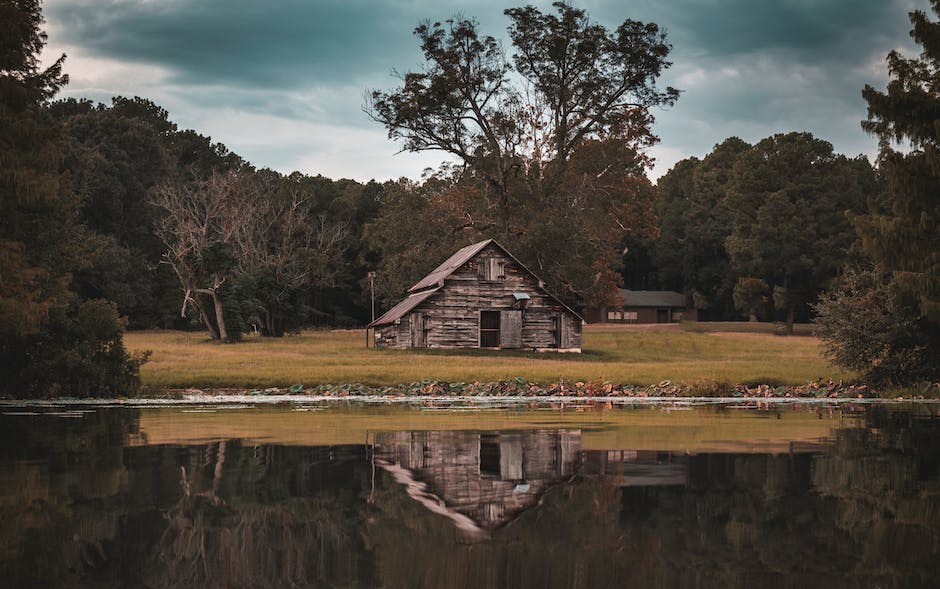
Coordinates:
<point>460,257</point>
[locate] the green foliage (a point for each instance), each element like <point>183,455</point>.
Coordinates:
<point>788,200</point>
<point>51,340</point>
<point>886,322</point>
<point>901,232</point>
<point>694,223</point>
<point>79,352</point>
<point>750,296</point>
<point>867,325</point>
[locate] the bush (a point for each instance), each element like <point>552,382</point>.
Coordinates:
<point>865,325</point>
<point>79,352</point>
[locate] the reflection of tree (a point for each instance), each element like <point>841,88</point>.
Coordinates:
<point>263,517</point>
<point>864,511</point>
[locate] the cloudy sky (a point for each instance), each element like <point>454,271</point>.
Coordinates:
<point>281,82</point>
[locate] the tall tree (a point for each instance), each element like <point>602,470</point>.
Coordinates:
<point>885,322</point>
<point>584,89</point>
<point>788,198</point>
<point>51,340</point>
<point>902,232</point>
<point>694,223</point>
<point>244,244</point>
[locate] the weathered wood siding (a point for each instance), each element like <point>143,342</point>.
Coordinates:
<point>451,317</point>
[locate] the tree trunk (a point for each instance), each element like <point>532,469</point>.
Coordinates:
<point>204,317</point>
<point>790,316</point>
<point>220,318</point>
<point>752,318</point>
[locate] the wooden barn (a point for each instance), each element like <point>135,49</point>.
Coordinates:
<point>480,297</point>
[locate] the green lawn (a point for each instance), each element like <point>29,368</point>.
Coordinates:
<point>635,355</point>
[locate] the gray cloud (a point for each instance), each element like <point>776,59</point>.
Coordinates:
<point>747,68</point>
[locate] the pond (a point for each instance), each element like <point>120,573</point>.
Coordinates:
<point>458,495</point>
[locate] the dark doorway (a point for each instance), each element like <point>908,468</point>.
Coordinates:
<point>489,329</point>
<point>489,454</point>
<point>662,315</point>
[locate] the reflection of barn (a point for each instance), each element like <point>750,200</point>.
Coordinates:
<point>480,297</point>
<point>481,481</point>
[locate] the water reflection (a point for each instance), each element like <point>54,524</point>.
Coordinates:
<point>480,481</point>
<point>90,501</point>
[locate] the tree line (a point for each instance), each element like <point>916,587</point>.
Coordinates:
<point>112,217</point>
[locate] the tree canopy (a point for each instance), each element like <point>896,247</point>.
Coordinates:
<point>550,140</point>
<point>901,343</point>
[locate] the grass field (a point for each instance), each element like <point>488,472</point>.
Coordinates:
<point>636,355</point>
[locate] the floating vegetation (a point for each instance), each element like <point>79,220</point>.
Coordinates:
<point>520,387</point>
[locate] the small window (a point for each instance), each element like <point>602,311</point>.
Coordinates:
<point>491,269</point>
<point>630,315</point>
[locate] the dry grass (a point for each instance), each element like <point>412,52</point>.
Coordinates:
<point>611,353</point>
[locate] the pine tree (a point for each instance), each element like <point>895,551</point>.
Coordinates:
<point>902,234</point>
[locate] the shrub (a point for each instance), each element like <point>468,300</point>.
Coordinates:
<point>866,325</point>
<point>79,352</point>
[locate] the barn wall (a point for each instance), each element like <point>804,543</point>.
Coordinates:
<point>453,313</point>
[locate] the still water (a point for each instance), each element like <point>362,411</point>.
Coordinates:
<point>346,495</point>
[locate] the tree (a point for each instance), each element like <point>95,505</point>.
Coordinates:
<point>586,90</point>
<point>901,232</point>
<point>866,327</point>
<point>886,322</point>
<point>200,226</point>
<point>788,198</point>
<point>694,223</point>
<point>750,296</point>
<point>51,341</point>
<point>243,245</point>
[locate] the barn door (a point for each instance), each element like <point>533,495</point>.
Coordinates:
<point>418,330</point>
<point>510,329</point>
<point>561,335</point>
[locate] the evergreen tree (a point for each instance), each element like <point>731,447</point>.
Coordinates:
<point>903,232</point>
<point>886,322</point>
<point>51,340</point>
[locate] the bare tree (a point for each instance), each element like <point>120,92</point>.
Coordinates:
<point>237,224</point>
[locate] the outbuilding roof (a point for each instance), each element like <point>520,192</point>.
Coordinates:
<point>651,298</point>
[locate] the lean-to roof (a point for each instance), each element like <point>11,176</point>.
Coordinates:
<point>403,308</point>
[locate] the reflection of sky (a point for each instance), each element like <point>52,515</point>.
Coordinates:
<point>282,83</point>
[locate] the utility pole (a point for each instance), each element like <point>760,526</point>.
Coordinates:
<point>372,294</point>
<point>372,291</point>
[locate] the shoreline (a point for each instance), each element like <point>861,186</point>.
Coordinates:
<point>509,392</point>
<point>243,401</point>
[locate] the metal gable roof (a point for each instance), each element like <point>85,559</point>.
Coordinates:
<point>451,264</point>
